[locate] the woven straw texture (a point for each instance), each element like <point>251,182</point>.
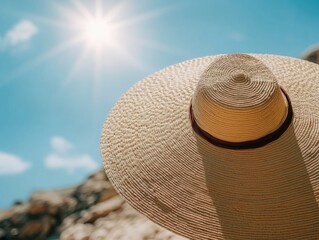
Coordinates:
<point>198,190</point>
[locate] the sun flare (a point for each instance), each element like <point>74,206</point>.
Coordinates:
<point>98,32</point>
<point>103,34</point>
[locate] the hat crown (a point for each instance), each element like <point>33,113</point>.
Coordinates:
<point>238,99</point>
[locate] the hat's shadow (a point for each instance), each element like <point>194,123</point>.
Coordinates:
<point>265,197</point>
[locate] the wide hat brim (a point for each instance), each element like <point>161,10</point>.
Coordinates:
<point>198,190</point>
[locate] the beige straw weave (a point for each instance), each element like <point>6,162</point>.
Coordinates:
<point>199,190</point>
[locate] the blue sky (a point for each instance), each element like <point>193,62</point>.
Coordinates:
<point>56,90</point>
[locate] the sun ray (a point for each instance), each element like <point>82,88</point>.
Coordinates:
<point>49,21</point>
<point>114,12</point>
<point>76,67</point>
<point>82,9</point>
<point>127,56</point>
<point>104,34</point>
<point>70,15</point>
<point>158,46</point>
<point>98,8</point>
<point>40,59</point>
<point>139,18</point>
<point>97,76</point>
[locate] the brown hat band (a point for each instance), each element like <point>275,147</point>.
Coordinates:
<point>247,144</point>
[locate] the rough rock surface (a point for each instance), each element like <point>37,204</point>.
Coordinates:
<point>91,211</point>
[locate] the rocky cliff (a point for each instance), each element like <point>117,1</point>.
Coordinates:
<point>90,211</point>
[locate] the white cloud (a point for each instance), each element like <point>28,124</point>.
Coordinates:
<point>70,164</point>
<point>60,144</point>
<point>20,33</point>
<point>61,158</point>
<point>11,164</point>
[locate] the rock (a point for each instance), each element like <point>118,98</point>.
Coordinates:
<point>92,191</point>
<point>99,234</point>
<point>17,202</point>
<point>98,176</point>
<point>78,231</point>
<point>37,208</point>
<point>107,195</point>
<point>45,201</point>
<point>14,212</point>
<point>52,202</point>
<point>90,211</point>
<point>69,221</point>
<point>129,224</point>
<point>102,209</point>
<point>14,232</point>
<point>38,228</point>
<point>2,233</point>
<point>14,217</point>
<point>48,201</point>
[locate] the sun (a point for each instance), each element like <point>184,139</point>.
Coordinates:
<point>98,32</point>
<point>104,36</point>
<point>96,29</point>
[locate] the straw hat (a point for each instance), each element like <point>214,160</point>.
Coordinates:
<point>221,147</point>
